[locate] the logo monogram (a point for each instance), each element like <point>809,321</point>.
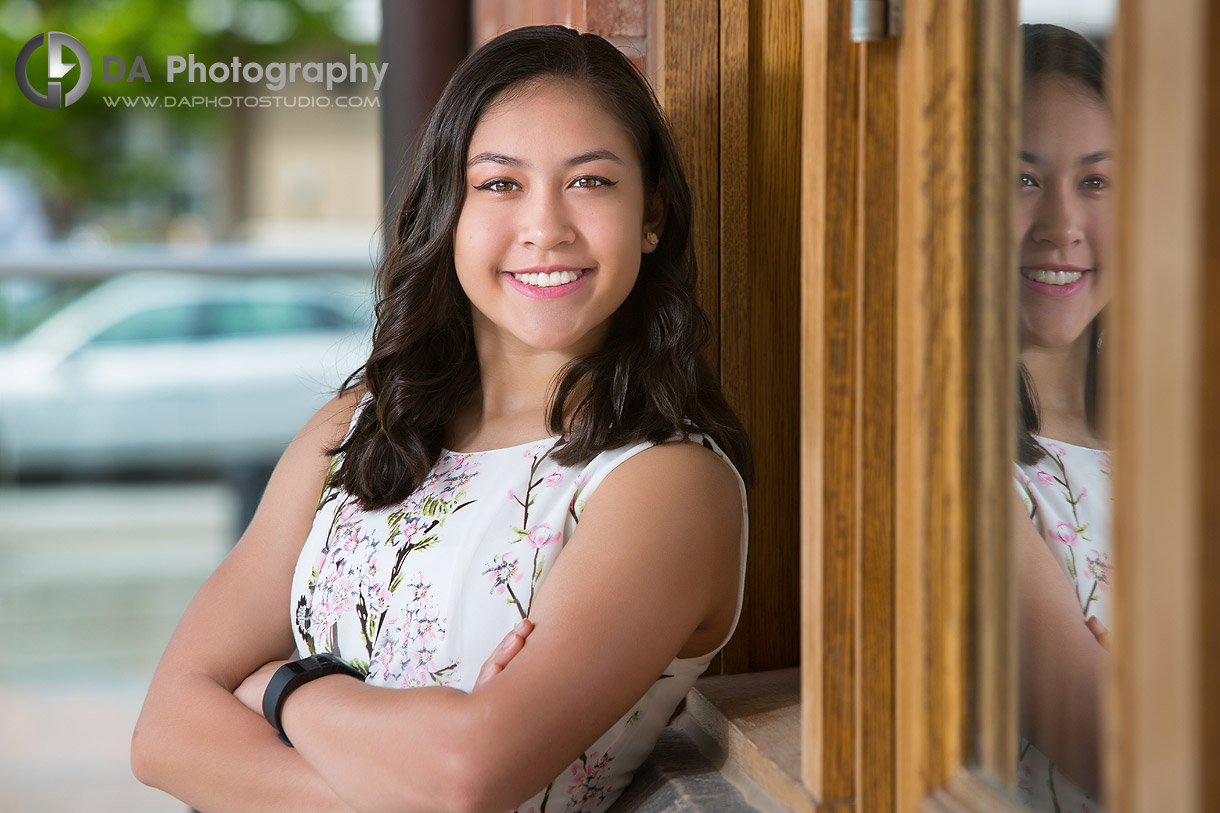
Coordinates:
<point>56,42</point>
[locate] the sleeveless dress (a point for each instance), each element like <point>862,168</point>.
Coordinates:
<point>419,594</point>
<point>1067,494</point>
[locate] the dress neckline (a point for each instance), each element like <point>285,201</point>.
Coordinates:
<point>547,442</point>
<point>1044,438</point>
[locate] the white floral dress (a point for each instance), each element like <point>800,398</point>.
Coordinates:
<point>419,594</point>
<point>1067,494</point>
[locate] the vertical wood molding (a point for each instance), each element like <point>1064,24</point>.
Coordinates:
<point>993,397</point>
<point>935,73</point>
<point>1165,439</point>
<point>876,251</point>
<point>1209,427</point>
<point>829,335</point>
<point>955,360</point>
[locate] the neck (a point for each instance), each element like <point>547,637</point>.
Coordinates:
<point>512,402</point>
<point>1058,374</point>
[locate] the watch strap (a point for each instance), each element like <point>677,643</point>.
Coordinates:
<point>295,674</point>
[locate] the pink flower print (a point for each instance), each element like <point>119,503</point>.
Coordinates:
<point>553,479</point>
<point>502,571</point>
<point>1084,492</point>
<point>1056,449</point>
<point>1097,565</point>
<point>588,783</point>
<point>540,535</point>
<point>1045,477</point>
<point>534,450</point>
<point>348,511</point>
<point>1066,534</point>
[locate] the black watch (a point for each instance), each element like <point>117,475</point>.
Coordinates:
<point>294,674</point>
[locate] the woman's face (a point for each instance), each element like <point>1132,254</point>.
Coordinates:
<point>549,239</point>
<point>1064,210</point>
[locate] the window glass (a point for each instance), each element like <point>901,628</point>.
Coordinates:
<point>176,323</point>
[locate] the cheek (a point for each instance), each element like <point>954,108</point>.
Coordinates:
<point>1100,235</point>
<point>1025,217</point>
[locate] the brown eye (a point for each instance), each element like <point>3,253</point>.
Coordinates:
<point>592,182</point>
<point>500,185</point>
<point>1026,181</point>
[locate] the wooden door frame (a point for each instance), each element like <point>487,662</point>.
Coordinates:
<point>908,324</point>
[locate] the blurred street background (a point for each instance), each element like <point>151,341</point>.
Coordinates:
<point>185,275</point>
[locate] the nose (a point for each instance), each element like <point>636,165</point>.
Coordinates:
<point>545,221</point>
<point>1057,218</point>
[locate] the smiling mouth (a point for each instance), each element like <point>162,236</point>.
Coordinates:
<point>1049,277</point>
<point>549,280</point>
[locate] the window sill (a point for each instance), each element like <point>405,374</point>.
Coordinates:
<point>753,721</point>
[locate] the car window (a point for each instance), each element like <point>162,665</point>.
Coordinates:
<point>246,318</point>
<point>171,323</point>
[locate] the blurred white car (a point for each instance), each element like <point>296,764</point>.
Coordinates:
<point>174,371</point>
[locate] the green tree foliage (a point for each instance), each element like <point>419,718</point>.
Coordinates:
<point>74,153</point>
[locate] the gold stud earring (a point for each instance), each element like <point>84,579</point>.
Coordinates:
<point>652,238</point>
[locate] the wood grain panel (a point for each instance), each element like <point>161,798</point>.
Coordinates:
<point>874,432</point>
<point>759,302</point>
<point>691,91</point>
<point>829,369</point>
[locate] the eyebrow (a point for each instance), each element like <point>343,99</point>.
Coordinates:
<point>510,161</point>
<point>1091,158</point>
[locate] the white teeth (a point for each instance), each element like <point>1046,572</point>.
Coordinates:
<point>549,280</point>
<point>1047,277</point>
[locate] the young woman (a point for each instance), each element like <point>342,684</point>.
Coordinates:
<point>535,436</point>
<point>1062,476</point>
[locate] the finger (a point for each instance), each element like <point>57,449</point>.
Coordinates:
<point>505,651</point>
<point>1099,630</point>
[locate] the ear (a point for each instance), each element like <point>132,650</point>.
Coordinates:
<point>654,218</point>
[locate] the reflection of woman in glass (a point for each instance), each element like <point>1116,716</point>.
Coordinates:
<point>534,436</point>
<point>1063,552</point>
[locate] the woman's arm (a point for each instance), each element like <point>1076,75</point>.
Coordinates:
<point>194,739</point>
<point>1061,661</point>
<point>652,572</point>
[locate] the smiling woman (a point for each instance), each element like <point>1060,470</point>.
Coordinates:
<point>1063,475</point>
<point>535,446</point>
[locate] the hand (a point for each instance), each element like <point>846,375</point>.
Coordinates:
<point>251,690</point>
<point>505,652</point>
<point>1099,631</point>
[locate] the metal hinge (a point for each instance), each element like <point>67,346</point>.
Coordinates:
<point>875,20</point>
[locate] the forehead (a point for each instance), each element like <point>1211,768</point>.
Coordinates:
<point>1060,108</point>
<point>549,115</point>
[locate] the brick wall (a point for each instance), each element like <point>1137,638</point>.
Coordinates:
<point>626,23</point>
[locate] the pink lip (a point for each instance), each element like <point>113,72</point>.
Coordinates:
<point>551,292</point>
<point>1058,291</point>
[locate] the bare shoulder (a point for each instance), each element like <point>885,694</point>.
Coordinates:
<point>329,424</point>
<point>683,485</point>
<point>684,467</point>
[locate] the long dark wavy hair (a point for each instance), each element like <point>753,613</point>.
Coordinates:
<point>1053,50</point>
<point>648,381</point>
